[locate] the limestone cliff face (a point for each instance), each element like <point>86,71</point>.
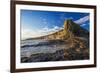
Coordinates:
<point>61,34</point>
<point>67,29</point>
<point>70,30</point>
<point>71,43</point>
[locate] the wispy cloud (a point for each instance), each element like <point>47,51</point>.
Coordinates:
<point>82,20</point>
<point>83,24</point>
<point>46,30</point>
<point>63,16</point>
<point>29,33</point>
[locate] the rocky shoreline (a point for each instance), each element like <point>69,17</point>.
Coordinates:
<point>77,52</point>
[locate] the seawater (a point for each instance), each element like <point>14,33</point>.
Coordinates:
<point>35,48</point>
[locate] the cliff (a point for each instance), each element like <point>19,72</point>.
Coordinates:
<point>69,31</point>
<point>70,43</point>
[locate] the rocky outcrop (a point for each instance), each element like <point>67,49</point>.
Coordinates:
<point>70,30</point>
<point>79,51</point>
<point>72,35</point>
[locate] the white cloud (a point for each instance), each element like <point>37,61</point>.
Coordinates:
<point>82,20</point>
<point>63,16</point>
<point>56,27</point>
<point>51,30</point>
<point>83,24</point>
<point>29,33</point>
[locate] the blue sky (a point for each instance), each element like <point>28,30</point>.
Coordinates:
<point>38,23</point>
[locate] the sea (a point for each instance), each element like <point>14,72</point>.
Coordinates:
<point>29,47</point>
